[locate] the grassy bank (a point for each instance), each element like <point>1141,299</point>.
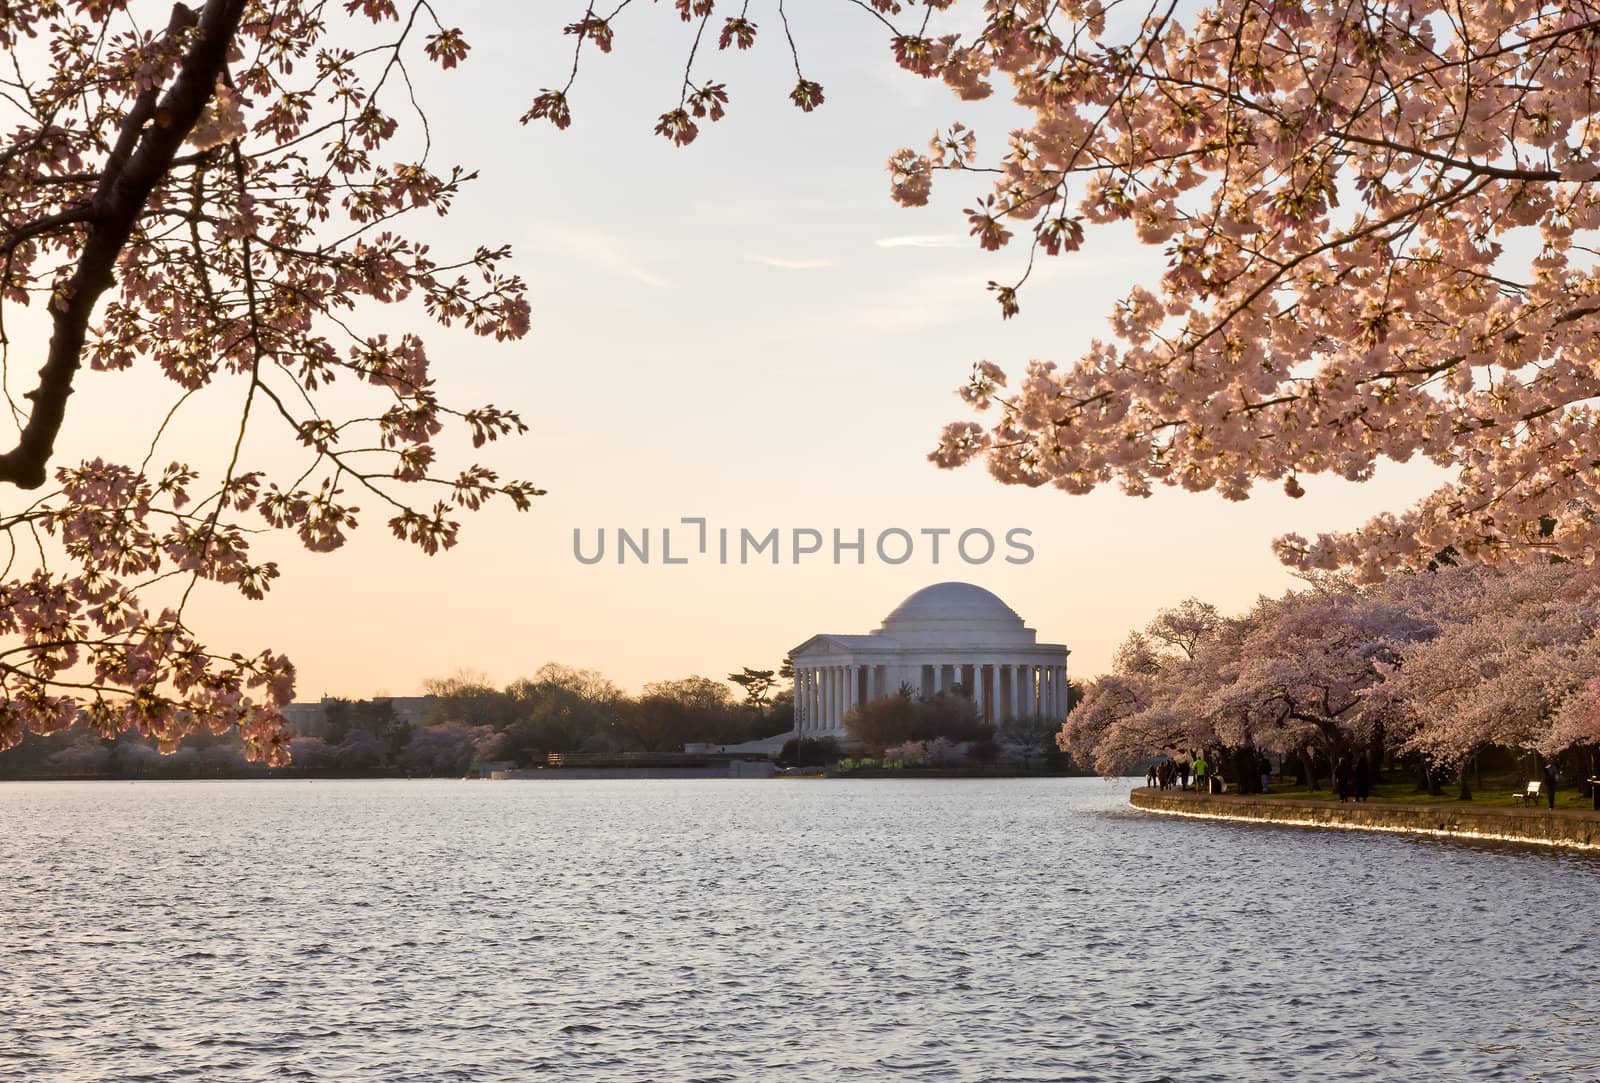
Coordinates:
<point>1495,793</point>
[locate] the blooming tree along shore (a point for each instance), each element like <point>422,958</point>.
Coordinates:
<point>1379,223</point>
<point>215,193</point>
<point>1437,665</point>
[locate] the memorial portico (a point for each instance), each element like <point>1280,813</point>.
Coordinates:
<point>942,636</point>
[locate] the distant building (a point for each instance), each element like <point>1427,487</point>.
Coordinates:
<point>305,719</point>
<point>941,636</point>
<point>311,719</point>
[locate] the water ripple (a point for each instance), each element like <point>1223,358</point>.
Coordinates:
<point>940,931</point>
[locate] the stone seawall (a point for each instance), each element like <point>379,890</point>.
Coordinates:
<point>1567,829</point>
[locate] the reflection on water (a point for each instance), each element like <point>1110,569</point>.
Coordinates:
<point>763,930</point>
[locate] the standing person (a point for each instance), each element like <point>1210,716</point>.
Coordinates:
<point>1363,778</point>
<point>1550,783</point>
<point>1201,767</point>
<point>1341,779</point>
<point>1150,776</point>
<point>1183,774</point>
<point>1266,775</point>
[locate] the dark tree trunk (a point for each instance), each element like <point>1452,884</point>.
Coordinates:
<point>1245,767</point>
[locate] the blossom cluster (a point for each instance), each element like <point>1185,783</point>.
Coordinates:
<point>1379,224</point>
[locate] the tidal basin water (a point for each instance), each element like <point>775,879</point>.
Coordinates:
<point>955,930</point>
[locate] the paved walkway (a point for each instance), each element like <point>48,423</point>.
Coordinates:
<point>1566,828</point>
<point>1516,808</point>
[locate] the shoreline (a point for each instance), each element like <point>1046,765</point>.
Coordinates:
<point>1566,829</point>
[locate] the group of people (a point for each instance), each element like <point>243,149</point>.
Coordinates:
<point>1169,773</point>
<point>1352,782</point>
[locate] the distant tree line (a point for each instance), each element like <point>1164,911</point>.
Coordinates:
<point>467,721</point>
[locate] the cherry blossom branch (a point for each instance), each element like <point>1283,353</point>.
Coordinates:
<point>140,159</point>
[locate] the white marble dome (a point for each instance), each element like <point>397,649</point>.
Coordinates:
<point>948,613</point>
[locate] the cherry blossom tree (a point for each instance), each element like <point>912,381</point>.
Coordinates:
<point>1185,626</point>
<point>1118,723</point>
<point>1512,671</point>
<point>1433,667</point>
<point>1153,701</point>
<point>215,193</point>
<point>1578,722</point>
<point>1304,666</point>
<point>1379,222</point>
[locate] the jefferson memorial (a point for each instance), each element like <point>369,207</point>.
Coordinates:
<point>941,636</point>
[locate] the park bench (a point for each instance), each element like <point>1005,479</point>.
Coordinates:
<point>1531,795</point>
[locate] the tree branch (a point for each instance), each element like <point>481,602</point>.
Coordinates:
<point>147,143</point>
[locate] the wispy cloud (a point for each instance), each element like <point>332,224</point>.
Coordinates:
<point>922,240</point>
<point>793,264</point>
<point>954,296</point>
<point>602,251</point>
